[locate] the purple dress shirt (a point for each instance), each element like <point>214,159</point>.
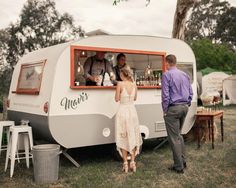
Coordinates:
<point>176,88</point>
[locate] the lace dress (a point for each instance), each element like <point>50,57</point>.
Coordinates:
<point>127,132</point>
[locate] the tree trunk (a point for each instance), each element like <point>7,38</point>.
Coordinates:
<point>182,8</point>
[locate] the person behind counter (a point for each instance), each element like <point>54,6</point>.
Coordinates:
<point>95,68</point>
<point>121,62</point>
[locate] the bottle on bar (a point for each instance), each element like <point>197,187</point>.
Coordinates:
<point>142,81</point>
<point>145,81</point>
<point>148,81</point>
<point>151,81</point>
<point>137,81</point>
<point>156,80</point>
<point>159,79</point>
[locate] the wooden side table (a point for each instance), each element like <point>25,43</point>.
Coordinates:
<point>210,117</point>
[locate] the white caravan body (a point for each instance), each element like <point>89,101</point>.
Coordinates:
<point>84,116</point>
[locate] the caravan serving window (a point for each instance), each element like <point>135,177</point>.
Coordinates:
<point>30,78</point>
<point>147,66</point>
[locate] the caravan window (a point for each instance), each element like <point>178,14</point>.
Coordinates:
<point>30,78</point>
<point>187,68</point>
<point>147,66</point>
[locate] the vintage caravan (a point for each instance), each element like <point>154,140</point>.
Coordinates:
<point>45,89</point>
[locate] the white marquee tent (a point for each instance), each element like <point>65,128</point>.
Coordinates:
<point>229,90</point>
<point>213,81</point>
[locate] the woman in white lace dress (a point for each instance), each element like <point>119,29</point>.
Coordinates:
<point>127,132</point>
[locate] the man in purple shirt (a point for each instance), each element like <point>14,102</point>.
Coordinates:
<point>176,98</point>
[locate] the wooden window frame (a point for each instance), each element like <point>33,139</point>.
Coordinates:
<point>30,91</point>
<point>114,50</point>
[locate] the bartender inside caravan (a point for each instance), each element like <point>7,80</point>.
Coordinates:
<point>121,62</point>
<point>95,68</point>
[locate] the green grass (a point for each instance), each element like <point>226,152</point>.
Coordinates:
<point>206,167</point>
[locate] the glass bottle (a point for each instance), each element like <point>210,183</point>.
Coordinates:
<point>159,79</point>
<point>137,81</point>
<point>148,81</point>
<point>144,81</point>
<point>141,81</point>
<point>155,80</point>
<point>80,68</point>
<point>152,80</point>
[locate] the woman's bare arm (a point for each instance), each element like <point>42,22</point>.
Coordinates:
<point>118,90</point>
<point>135,96</point>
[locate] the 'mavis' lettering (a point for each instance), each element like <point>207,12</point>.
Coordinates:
<point>73,103</point>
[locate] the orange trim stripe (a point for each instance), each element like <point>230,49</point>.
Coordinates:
<point>115,50</point>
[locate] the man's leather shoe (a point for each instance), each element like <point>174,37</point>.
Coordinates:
<point>172,168</point>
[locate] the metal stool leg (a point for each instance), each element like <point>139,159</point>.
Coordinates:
<point>13,151</point>
<point>7,154</point>
<point>31,139</point>
<point>17,153</point>
<point>26,143</point>
<point>31,142</point>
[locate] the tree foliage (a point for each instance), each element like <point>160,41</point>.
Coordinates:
<point>4,66</point>
<point>40,25</point>
<point>211,31</point>
<point>216,56</point>
<point>226,27</point>
<point>4,36</point>
<point>203,20</point>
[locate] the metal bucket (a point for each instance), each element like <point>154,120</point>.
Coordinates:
<point>46,162</point>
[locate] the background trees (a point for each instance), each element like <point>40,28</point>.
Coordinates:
<point>217,56</point>
<point>203,20</point>
<point>211,32</point>
<point>40,25</point>
<point>214,20</point>
<point>226,27</point>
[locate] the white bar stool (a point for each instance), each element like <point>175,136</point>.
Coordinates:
<point>5,125</point>
<point>12,145</point>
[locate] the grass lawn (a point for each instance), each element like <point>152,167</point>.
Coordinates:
<point>206,167</point>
